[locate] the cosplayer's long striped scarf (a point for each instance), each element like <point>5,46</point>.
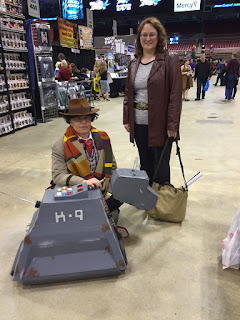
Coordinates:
<point>77,161</point>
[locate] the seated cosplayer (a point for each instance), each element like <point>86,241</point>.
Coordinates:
<point>84,154</point>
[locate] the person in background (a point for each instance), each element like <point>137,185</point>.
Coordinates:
<point>202,74</point>
<point>61,57</point>
<point>192,64</point>
<point>84,154</point>
<point>105,89</point>
<point>76,74</point>
<point>232,75</point>
<point>186,79</point>
<point>235,88</point>
<point>220,72</point>
<point>214,67</point>
<point>84,77</point>
<point>64,73</point>
<point>153,99</point>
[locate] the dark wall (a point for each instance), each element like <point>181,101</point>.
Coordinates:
<point>84,59</point>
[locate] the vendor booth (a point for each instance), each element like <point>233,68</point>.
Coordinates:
<point>118,55</point>
<point>47,39</point>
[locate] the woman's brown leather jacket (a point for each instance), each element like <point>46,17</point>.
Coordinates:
<point>164,97</point>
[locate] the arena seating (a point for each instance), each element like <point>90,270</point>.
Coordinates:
<point>229,44</point>
<point>220,46</point>
<point>180,47</point>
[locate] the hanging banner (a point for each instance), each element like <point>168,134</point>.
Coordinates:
<point>85,37</point>
<point>72,9</point>
<point>110,57</point>
<point>33,8</point>
<point>68,33</point>
<point>89,15</point>
<point>114,28</point>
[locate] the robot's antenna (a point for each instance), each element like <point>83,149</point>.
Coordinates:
<point>136,164</point>
<point>10,195</point>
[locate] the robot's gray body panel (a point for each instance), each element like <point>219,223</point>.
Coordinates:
<point>71,237</point>
<point>132,186</point>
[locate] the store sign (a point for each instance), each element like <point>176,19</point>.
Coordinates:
<point>33,8</point>
<point>123,5</point>
<point>186,5</point>
<point>109,40</point>
<point>72,9</point>
<point>85,37</point>
<point>99,5</point>
<point>149,3</point>
<point>131,48</point>
<point>68,33</point>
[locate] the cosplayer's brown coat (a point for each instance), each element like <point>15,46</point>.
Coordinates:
<point>60,172</point>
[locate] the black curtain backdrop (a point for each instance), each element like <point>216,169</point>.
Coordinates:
<point>84,59</point>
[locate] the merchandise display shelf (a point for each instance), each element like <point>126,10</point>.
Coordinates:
<point>15,49</point>
<point>17,108</point>
<point>3,113</point>
<point>11,14</point>
<point>18,70</point>
<point>22,108</point>
<point>18,89</point>
<point>3,28</point>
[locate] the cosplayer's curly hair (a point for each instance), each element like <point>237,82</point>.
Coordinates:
<point>93,117</point>
<point>162,36</point>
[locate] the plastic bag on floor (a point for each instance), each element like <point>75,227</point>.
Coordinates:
<point>231,245</point>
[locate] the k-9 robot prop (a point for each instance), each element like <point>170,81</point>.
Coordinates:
<point>71,235</point>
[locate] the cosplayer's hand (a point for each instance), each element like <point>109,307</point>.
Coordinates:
<point>172,134</point>
<point>127,127</point>
<point>93,183</point>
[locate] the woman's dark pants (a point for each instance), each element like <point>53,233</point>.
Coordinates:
<point>149,156</point>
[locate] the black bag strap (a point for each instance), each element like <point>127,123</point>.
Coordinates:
<point>180,161</point>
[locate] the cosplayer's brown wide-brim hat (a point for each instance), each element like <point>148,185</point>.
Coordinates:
<point>79,107</point>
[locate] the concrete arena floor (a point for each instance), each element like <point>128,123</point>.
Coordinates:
<point>174,270</point>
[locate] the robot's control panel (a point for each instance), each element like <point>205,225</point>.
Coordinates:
<point>70,192</point>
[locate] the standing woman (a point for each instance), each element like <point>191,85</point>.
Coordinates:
<point>105,89</point>
<point>153,98</point>
<point>186,79</point>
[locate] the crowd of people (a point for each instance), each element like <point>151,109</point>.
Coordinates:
<point>99,84</point>
<point>202,71</point>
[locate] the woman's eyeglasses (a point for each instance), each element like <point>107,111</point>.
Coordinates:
<point>150,35</point>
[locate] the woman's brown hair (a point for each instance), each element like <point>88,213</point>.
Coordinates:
<point>162,36</point>
<point>185,60</point>
<point>102,68</point>
<point>74,68</point>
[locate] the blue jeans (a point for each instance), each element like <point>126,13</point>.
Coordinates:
<point>200,86</point>
<point>231,79</point>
